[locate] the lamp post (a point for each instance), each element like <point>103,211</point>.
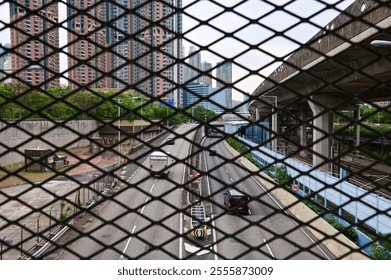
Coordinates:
<point>141,119</point>
<point>167,123</point>
<point>119,130</point>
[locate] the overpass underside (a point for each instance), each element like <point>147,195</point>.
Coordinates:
<point>322,86</point>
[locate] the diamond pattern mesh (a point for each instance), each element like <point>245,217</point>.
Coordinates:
<point>119,143</point>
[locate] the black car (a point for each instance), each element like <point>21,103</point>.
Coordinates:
<point>237,201</point>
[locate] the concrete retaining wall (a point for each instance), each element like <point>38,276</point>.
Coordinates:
<point>16,137</point>
<point>337,243</point>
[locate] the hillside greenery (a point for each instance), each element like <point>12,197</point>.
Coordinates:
<point>17,101</point>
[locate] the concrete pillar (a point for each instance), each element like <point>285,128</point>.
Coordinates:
<point>274,129</point>
<point>257,115</point>
<point>357,128</point>
<point>303,133</point>
<point>322,125</point>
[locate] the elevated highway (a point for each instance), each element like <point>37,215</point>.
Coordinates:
<point>335,70</point>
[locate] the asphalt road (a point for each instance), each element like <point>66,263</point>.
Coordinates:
<point>142,216</point>
<point>144,220</point>
<point>268,232</point>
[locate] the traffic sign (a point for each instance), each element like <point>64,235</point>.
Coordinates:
<point>295,187</point>
<point>190,177</point>
<point>199,233</point>
<point>198,176</point>
<point>194,175</point>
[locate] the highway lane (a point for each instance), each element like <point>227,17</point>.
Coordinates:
<point>141,216</point>
<point>268,232</point>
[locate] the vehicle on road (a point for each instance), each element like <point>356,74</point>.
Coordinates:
<point>158,164</point>
<point>212,152</point>
<point>170,141</point>
<point>236,200</point>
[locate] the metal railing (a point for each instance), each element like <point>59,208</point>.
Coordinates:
<point>127,61</point>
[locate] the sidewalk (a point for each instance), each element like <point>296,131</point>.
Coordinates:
<point>103,160</point>
<point>40,203</point>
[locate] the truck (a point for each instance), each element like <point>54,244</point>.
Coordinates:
<point>158,164</point>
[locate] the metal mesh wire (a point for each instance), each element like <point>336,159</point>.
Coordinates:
<point>78,176</point>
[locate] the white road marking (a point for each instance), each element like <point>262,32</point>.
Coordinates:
<point>193,249</point>
<point>135,222</point>
<point>282,208</point>
<point>268,248</point>
<point>127,243</point>
<point>212,218</point>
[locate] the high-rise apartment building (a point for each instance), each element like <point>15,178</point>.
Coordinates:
<point>5,60</point>
<point>39,59</point>
<point>86,59</point>
<point>118,40</point>
<point>5,55</point>
<point>155,72</point>
<point>129,37</point>
<point>224,79</point>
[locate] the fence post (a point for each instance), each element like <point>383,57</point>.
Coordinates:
<point>21,241</point>
<point>1,248</point>
<point>38,227</point>
<point>50,220</point>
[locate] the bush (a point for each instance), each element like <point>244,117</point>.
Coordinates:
<point>381,250</point>
<point>349,232</point>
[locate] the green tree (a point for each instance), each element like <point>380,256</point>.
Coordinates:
<point>35,102</point>
<point>381,250</point>
<point>85,102</point>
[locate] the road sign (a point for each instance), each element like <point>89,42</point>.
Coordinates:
<point>194,175</point>
<point>199,233</point>
<point>190,177</point>
<point>197,223</point>
<point>295,187</point>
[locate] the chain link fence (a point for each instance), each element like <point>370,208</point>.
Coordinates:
<point>268,139</point>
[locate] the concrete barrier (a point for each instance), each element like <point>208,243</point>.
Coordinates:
<point>44,134</point>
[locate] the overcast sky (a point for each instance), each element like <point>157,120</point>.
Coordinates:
<point>212,35</point>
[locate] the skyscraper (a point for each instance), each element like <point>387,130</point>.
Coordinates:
<point>39,58</point>
<point>155,72</point>
<point>195,61</point>
<point>224,79</point>
<point>206,78</point>
<point>118,36</point>
<point>86,60</point>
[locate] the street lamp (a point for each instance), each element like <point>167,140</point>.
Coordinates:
<point>30,68</point>
<point>142,121</point>
<point>119,130</point>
